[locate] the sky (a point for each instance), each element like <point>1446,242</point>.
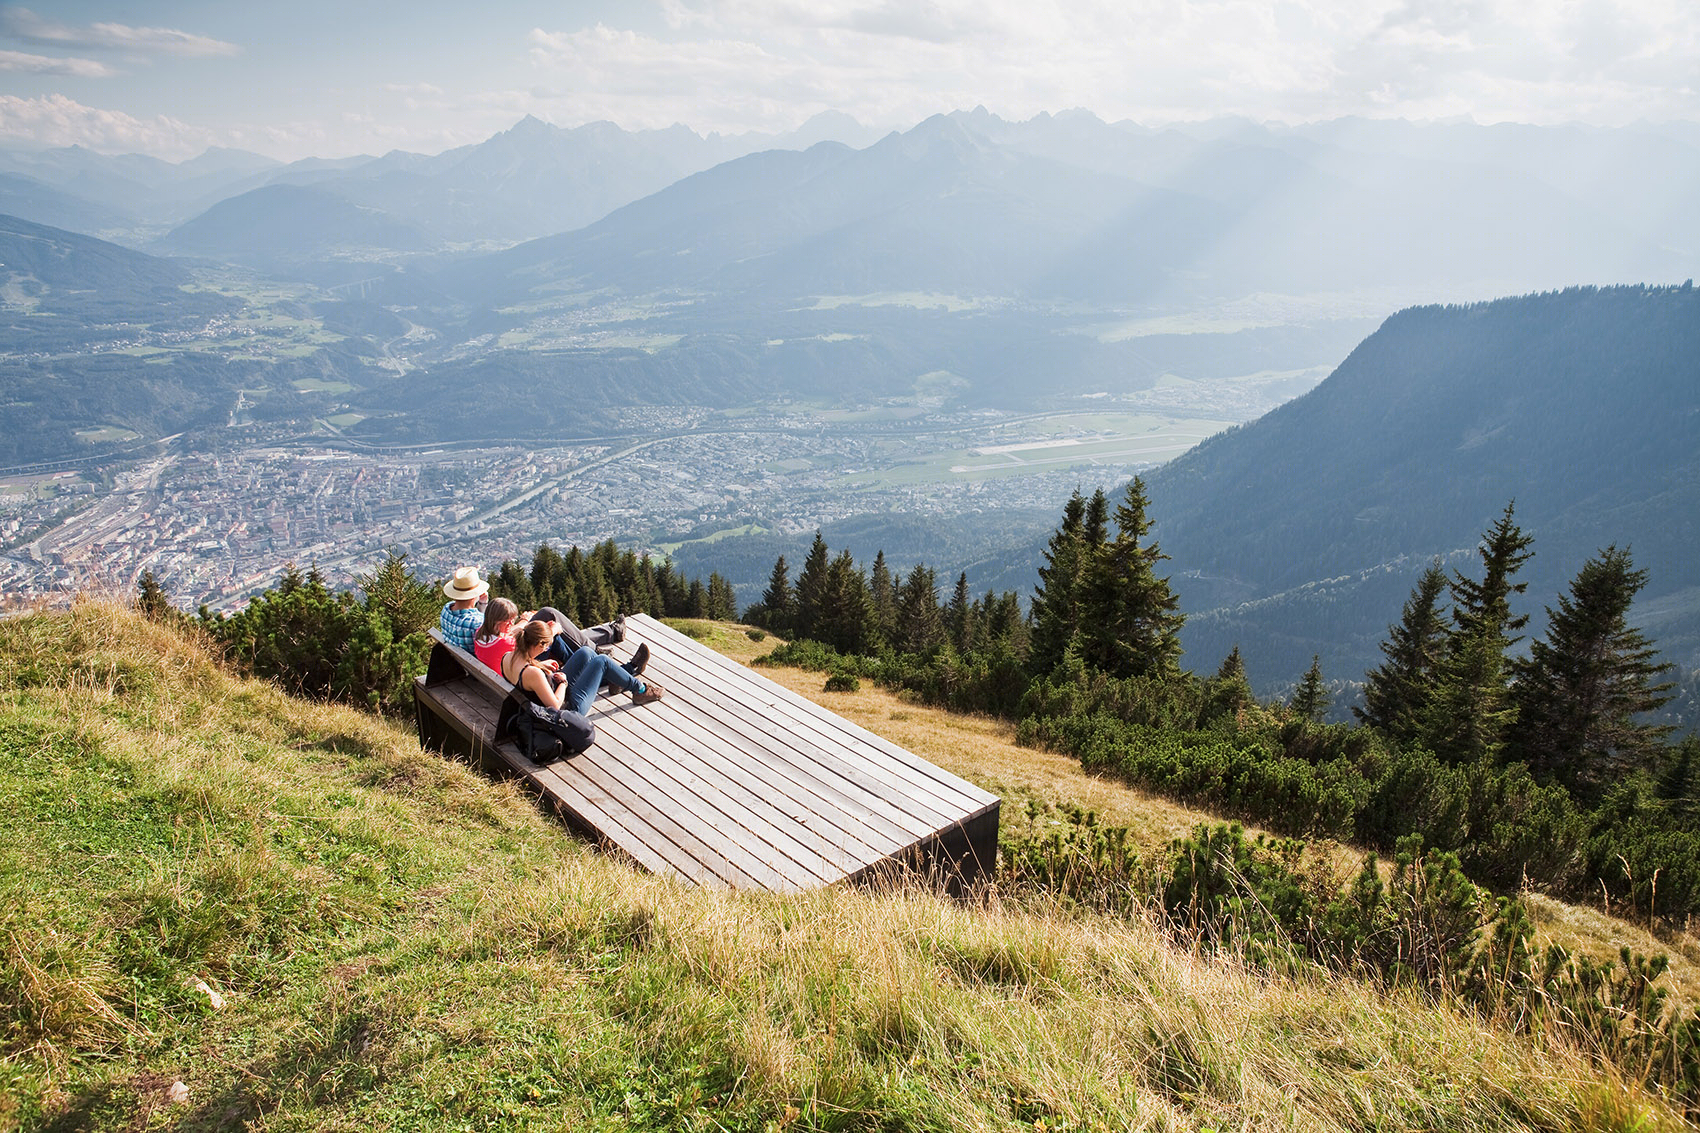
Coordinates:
<point>313,78</point>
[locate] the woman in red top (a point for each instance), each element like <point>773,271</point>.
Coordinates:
<point>496,636</point>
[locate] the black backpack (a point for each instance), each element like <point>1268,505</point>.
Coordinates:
<point>541,733</point>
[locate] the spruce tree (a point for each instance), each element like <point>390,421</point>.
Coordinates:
<point>1056,600</point>
<point>883,591</point>
<point>960,616</point>
<point>548,574</point>
<point>811,591</point>
<point>1396,695</point>
<point>1095,525</point>
<point>919,627</point>
<point>845,611</point>
<point>1310,699</point>
<point>151,600</point>
<point>1471,707</point>
<point>1128,615</point>
<point>778,603</point>
<point>1580,690</point>
<point>409,605</point>
<point>722,603</point>
<point>512,582</point>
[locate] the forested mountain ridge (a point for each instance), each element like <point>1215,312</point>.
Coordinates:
<point>1300,533</point>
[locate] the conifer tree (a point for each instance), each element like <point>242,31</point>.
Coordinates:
<point>1310,699</point>
<point>1129,616</point>
<point>811,590</point>
<point>151,600</point>
<point>846,612</point>
<point>1056,600</point>
<point>409,605</point>
<point>1228,691</point>
<point>1396,695</point>
<point>960,616</point>
<point>512,582</point>
<point>778,603</point>
<point>883,592</point>
<point>1095,527</point>
<point>722,603</point>
<point>696,600</point>
<point>920,629</point>
<point>1580,690</point>
<point>1471,707</point>
<point>548,574</point>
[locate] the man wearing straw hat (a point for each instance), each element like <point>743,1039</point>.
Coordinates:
<point>463,613</point>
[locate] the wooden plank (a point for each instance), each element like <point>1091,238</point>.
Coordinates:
<point>612,827</point>
<point>798,764</point>
<point>889,800</point>
<point>699,809</point>
<point>670,839</point>
<point>831,831</point>
<point>679,642</point>
<point>803,785</point>
<point>802,862</point>
<point>952,794</point>
<point>705,813</point>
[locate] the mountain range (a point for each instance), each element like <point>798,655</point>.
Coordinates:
<point>1303,532</point>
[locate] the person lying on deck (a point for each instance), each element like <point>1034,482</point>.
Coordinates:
<point>575,684</point>
<point>502,622</point>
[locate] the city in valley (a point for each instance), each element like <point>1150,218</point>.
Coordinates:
<point>217,526</point>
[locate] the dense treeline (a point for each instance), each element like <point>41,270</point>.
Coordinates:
<point>366,645</point>
<point>1532,767</point>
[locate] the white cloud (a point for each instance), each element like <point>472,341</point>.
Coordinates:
<point>54,120</point>
<point>45,65</point>
<point>23,24</point>
<point>737,64</point>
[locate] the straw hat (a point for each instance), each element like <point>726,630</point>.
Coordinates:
<point>465,584</point>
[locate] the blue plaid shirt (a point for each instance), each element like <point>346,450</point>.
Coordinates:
<point>460,625</point>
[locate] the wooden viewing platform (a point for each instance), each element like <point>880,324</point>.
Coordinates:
<point>730,780</point>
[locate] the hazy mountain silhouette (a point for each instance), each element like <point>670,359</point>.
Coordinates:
<point>137,186</point>
<point>30,199</point>
<point>1067,207</point>
<point>291,222</point>
<point>1304,531</point>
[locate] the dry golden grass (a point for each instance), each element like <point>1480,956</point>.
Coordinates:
<point>984,751</point>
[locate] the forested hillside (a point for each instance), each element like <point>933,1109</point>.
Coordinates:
<point>1301,533</point>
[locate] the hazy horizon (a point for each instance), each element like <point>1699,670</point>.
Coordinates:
<point>326,81</point>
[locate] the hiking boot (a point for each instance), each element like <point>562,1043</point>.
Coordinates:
<point>639,660</point>
<point>619,629</point>
<point>650,694</point>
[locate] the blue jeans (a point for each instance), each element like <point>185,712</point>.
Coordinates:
<point>569,637</point>
<point>587,671</point>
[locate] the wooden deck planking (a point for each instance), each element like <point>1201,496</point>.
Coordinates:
<point>848,844</point>
<point>726,804</point>
<point>952,792</point>
<point>796,765</point>
<point>609,827</point>
<point>731,780</point>
<point>892,797</point>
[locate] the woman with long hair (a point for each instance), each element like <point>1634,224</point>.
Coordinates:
<point>578,680</point>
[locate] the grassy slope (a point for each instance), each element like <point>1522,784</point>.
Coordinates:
<point>403,945</point>
<point>984,750</point>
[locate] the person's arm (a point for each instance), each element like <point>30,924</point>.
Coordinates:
<point>540,682</point>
